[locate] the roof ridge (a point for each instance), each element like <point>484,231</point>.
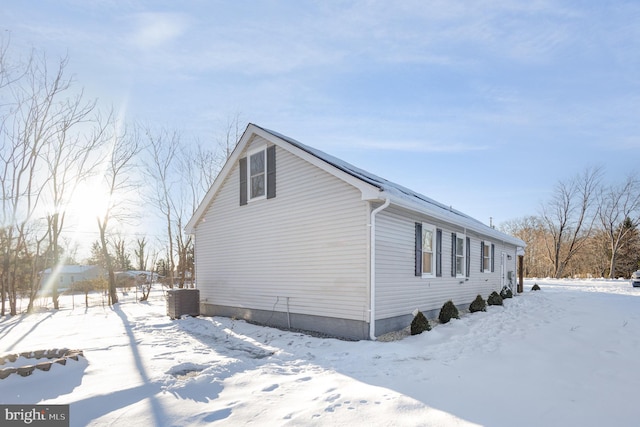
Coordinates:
<point>368,177</point>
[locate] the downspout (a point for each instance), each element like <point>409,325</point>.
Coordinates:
<point>372,273</point>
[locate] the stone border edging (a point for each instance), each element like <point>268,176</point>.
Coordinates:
<point>59,356</point>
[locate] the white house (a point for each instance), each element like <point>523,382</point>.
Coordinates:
<point>67,275</point>
<point>290,236</point>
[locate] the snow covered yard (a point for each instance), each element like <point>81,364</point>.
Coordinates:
<point>566,355</point>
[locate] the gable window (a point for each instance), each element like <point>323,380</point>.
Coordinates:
<point>258,175</point>
<point>487,251</point>
<point>428,250</point>
<point>458,252</point>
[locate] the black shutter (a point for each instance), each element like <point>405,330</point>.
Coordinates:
<point>493,257</point>
<point>271,172</point>
<point>482,256</point>
<point>453,254</point>
<point>418,249</point>
<point>243,181</point>
<point>468,256</point>
<point>438,253</point>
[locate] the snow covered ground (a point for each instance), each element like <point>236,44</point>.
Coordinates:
<point>565,356</point>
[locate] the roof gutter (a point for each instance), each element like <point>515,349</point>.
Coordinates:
<point>372,265</point>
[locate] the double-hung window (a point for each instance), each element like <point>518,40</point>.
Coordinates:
<point>460,252</point>
<point>487,261</point>
<point>257,175</point>
<point>428,250</point>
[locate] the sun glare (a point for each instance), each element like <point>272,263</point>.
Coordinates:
<point>89,202</point>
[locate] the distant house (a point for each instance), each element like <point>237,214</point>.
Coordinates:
<point>293,237</point>
<point>135,277</point>
<point>67,275</point>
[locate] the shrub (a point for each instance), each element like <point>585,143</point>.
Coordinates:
<point>419,324</point>
<point>506,293</point>
<point>478,304</point>
<point>448,312</point>
<point>494,299</point>
<point>535,287</point>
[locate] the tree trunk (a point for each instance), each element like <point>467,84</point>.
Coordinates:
<point>612,265</point>
<point>113,294</point>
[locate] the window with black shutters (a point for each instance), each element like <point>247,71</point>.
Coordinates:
<point>258,175</point>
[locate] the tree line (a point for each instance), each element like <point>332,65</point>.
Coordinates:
<point>587,228</point>
<point>53,140</point>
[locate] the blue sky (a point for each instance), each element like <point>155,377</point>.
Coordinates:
<point>481,105</point>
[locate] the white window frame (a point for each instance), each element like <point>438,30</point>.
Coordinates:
<point>251,153</point>
<point>486,268</point>
<point>461,256</point>
<point>432,229</point>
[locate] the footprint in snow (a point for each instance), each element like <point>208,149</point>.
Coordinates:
<point>333,397</point>
<point>270,388</point>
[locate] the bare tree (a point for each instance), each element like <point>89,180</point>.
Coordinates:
<point>200,167</point>
<point>30,118</point>
<point>531,230</point>
<point>141,255</point>
<point>118,181</point>
<point>43,154</point>
<point>163,147</point>
<point>37,264</point>
<point>619,204</point>
<point>122,259</point>
<point>232,133</point>
<point>569,217</point>
<point>69,160</point>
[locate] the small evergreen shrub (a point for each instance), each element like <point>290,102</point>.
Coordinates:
<point>535,287</point>
<point>448,311</point>
<point>506,293</point>
<point>419,324</point>
<point>494,299</point>
<point>478,304</point>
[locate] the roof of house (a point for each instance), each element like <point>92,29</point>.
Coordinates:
<point>71,269</point>
<point>397,194</point>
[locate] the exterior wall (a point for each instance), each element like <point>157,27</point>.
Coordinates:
<point>303,252</point>
<point>399,291</point>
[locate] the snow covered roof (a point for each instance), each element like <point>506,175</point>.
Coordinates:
<point>71,269</point>
<point>400,195</point>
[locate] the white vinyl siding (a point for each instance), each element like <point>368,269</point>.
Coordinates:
<point>305,248</point>
<point>399,291</point>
